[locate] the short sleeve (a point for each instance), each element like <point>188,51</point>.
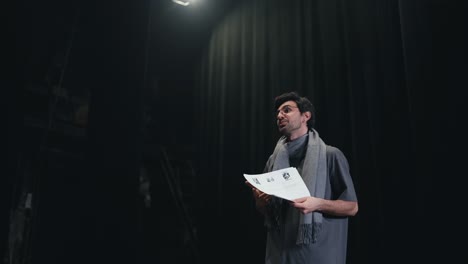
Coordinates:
<point>341,182</point>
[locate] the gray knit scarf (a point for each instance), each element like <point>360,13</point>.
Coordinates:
<point>314,174</point>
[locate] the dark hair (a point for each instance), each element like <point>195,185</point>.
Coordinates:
<point>303,104</point>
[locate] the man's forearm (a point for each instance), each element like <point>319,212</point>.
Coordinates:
<point>338,207</point>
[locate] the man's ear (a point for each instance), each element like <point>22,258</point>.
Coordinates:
<point>307,115</point>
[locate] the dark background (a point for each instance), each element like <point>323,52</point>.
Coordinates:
<point>111,102</point>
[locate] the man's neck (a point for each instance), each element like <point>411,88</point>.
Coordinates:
<point>297,135</point>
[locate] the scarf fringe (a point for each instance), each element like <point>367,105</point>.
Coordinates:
<point>307,234</point>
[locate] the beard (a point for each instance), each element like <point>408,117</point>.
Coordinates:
<point>288,128</point>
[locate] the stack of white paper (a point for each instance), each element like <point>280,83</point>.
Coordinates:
<point>285,183</point>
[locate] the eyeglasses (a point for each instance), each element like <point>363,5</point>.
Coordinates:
<point>285,110</point>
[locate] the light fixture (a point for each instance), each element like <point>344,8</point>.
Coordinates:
<point>181,2</point>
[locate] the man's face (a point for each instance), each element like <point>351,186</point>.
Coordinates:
<point>290,120</point>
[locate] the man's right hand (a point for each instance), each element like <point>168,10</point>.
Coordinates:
<point>261,199</point>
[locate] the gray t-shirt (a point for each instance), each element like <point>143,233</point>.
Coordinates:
<point>331,245</point>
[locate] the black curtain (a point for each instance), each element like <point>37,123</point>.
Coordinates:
<point>386,79</point>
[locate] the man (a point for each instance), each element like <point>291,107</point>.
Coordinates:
<point>310,229</point>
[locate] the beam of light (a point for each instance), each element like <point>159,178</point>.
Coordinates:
<point>181,2</point>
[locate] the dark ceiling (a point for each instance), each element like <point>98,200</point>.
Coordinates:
<point>47,30</point>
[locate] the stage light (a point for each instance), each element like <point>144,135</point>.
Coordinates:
<point>181,2</point>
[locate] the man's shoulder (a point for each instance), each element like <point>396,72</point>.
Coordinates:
<point>336,158</point>
<point>334,153</point>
